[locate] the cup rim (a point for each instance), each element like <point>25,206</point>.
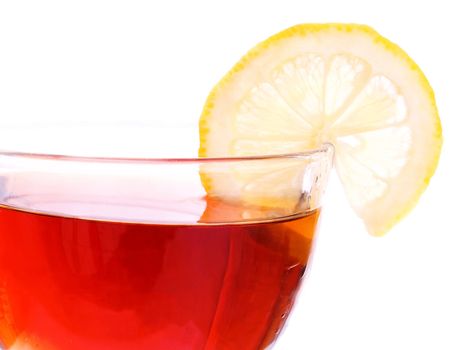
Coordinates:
<point>325,148</point>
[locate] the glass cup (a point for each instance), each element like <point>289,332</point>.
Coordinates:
<point>106,246</point>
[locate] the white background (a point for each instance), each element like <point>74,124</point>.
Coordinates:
<point>117,60</point>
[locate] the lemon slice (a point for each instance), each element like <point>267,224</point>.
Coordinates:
<point>338,83</point>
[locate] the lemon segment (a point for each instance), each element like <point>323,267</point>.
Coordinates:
<point>342,84</point>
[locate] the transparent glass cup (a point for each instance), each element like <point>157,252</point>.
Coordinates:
<point>115,249</point>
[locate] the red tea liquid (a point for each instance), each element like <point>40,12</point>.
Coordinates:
<point>77,284</point>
